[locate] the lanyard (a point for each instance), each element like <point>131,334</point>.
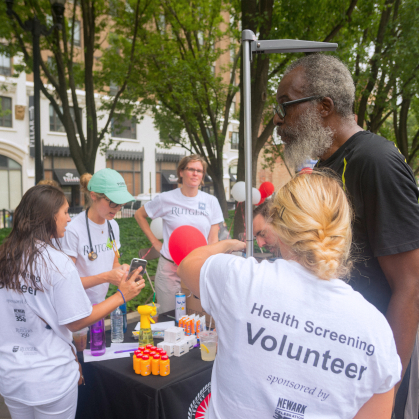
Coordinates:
<point>93,255</point>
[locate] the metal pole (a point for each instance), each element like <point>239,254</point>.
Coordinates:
<point>39,167</point>
<point>247,38</point>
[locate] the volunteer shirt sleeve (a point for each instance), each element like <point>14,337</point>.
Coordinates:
<point>156,207</point>
<point>216,213</point>
<point>70,243</point>
<point>390,199</point>
<point>391,367</point>
<point>215,274</point>
<point>69,297</point>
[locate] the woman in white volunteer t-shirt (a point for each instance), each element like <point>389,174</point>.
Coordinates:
<point>295,341</point>
<point>42,301</point>
<point>92,238</point>
<point>186,205</point>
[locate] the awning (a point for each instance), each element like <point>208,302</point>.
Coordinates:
<point>169,177</point>
<point>67,176</point>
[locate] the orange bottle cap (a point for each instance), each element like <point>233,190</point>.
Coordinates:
<point>163,353</point>
<point>139,355</point>
<point>141,348</point>
<point>145,357</point>
<point>157,356</point>
<point>153,348</point>
<point>148,346</point>
<point>164,358</point>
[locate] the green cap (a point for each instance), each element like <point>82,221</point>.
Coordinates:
<point>112,184</point>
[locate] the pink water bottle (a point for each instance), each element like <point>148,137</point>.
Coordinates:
<point>97,338</point>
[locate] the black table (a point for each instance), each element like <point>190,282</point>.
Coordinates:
<point>114,391</point>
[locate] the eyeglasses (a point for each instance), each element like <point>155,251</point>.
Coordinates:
<point>113,204</point>
<point>280,108</point>
<point>190,170</point>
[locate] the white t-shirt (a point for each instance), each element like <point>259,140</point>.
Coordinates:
<point>292,345</point>
<point>76,244</point>
<point>202,211</point>
<point>37,365</point>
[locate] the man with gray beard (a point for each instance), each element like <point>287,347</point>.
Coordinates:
<point>315,119</point>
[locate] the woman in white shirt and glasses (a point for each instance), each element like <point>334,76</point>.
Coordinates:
<point>42,301</point>
<point>294,339</point>
<point>92,238</point>
<point>186,205</point>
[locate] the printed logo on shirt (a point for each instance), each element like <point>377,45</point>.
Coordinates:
<point>27,350</point>
<point>184,211</point>
<point>24,333</point>
<point>20,315</point>
<point>289,409</point>
<point>202,206</point>
<point>97,248</point>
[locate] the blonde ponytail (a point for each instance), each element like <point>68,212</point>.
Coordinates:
<point>84,181</point>
<point>312,216</point>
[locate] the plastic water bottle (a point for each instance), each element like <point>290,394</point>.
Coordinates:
<point>117,324</point>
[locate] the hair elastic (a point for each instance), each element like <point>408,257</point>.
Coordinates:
<point>122,295</point>
<point>281,213</point>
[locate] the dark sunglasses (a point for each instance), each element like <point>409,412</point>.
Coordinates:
<point>280,108</point>
<point>113,204</point>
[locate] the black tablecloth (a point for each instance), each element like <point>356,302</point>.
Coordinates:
<point>114,391</point>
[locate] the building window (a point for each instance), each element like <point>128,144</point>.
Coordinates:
<point>163,171</point>
<point>10,183</point>
<point>5,65</point>
<point>55,124</point>
<point>124,128</point>
<point>77,33</point>
<point>113,88</point>
<point>234,141</point>
<point>6,112</point>
<point>130,170</point>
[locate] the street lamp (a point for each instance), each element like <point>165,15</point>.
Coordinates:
<point>252,46</point>
<point>37,29</point>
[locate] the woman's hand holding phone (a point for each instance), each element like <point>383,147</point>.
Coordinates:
<point>131,286</point>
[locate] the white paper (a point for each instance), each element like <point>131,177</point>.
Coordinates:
<point>158,326</point>
<point>109,354</point>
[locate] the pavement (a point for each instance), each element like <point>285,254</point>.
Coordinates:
<point>131,318</point>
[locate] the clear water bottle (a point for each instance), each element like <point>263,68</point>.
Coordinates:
<point>117,324</point>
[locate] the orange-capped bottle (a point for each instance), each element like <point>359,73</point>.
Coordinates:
<point>136,359</point>
<point>155,365</point>
<point>164,366</point>
<point>145,365</point>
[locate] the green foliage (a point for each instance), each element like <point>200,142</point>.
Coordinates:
<point>4,232</point>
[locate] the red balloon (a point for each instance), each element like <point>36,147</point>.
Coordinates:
<point>183,240</point>
<point>266,189</point>
<point>307,170</point>
<point>262,200</point>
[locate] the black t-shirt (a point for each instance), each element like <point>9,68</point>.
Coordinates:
<point>384,195</point>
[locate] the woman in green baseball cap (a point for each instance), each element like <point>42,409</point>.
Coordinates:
<point>92,237</point>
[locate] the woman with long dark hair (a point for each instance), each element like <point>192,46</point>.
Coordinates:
<point>42,301</point>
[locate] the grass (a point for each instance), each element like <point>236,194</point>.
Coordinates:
<point>132,240</point>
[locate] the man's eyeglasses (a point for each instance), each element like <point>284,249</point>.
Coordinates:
<point>280,108</point>
<point>113,204</point>
<point>190,170</point>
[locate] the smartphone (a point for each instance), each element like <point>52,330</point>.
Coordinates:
<point>135,264</point>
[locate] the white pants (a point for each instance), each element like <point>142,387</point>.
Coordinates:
<point>64,408</point>
<point>167,284</point>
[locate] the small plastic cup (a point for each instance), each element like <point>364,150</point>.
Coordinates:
<point>208,341</point>
<point>156,317</point>
<point>80,339</point>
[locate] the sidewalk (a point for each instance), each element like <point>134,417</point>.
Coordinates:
<point>131,318</point>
